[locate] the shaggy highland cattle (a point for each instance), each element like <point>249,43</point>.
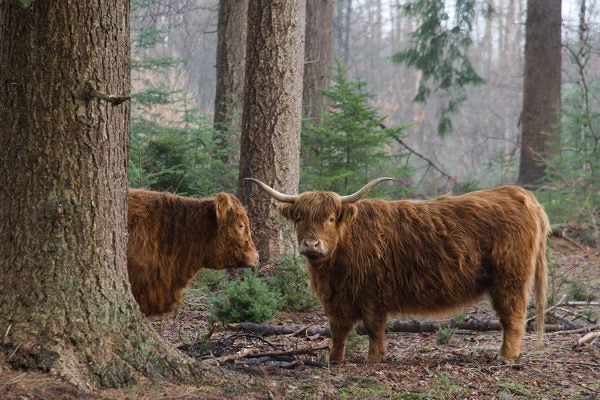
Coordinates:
<point>370,258</point>
<point>172,237</point>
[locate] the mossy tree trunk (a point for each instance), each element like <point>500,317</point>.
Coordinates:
<point>272,115</point>
<point>65,302</point>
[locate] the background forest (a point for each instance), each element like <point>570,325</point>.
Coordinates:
<point>178,144</point>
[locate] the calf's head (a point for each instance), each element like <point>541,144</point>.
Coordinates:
<point>320,218</point>
<point>235,247</point>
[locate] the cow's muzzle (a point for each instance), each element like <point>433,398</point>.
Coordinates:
<point>251,259</point>
<point>312,248</point>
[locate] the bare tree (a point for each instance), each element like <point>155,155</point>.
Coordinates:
<point>540,116</point>
<point>318,48</point>
<point>270,143</point>
<point>65,302</point>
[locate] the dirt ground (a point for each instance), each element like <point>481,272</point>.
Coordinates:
<point>416,366</point>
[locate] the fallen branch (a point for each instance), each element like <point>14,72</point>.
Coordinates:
<point>582,303</point>
<point>572,241</point>
<point>560,303</point>
<point>269,330</point>
<point>413,326</point>
<point>279,359</point>
<point>577,315</point>
<point>295,352</point>
<point>232,357</point>
<point>578,330</point>
<point>588,338</point>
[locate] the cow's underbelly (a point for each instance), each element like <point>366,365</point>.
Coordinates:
<point>418,300</point>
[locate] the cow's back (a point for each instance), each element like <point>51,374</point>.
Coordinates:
<point>167,234</point>
<point>432,257</point>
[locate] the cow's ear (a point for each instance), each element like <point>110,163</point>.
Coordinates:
<point>286,211</point>
<point>348,213</point>
<point>223,205</point>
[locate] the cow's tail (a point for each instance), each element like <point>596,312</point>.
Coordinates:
<point>541,275</point>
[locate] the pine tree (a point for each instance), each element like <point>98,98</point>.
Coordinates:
<point>350,146</point>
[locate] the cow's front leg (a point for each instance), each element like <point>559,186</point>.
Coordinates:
<point>375,327</point>
<point>340,328</point>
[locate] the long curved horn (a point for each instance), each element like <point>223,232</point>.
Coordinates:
<point>351,198</point>
<point>284,198</point>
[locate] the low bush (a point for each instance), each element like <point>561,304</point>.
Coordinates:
<point>291,281</point>
<point>248,298</point>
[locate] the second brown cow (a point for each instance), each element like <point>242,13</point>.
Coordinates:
<point>171,237</point>
<point>371,258</point>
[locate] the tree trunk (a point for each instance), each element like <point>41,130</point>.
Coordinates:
<point>343,17</point>
<point>318,48</point>
<point>540,117</point>
<point>231,60</point>
<point>270,143</point>
<point>65,302</point>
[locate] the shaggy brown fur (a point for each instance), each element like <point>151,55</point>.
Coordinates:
<point>172,237</point>
<point>373,258</point>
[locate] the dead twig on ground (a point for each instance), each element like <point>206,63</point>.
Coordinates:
<point>572,241</point>
<point>231,357</point>
<point>280,359</point>
<point>560,303</point>
<point>579,330</point>
<point>303,350</point>
<point>577,315</point>
<point>587,338</point>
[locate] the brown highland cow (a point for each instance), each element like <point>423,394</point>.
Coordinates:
<point>371,258</point>
<point>172,237</point>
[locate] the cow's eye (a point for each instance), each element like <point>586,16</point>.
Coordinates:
<point>332,220</point>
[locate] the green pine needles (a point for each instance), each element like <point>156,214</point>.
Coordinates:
<point>350,146</point>
<point>248,299</point>
<point>439,50</point>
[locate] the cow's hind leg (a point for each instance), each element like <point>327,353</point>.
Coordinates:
<point>510,303</point>
<point>375,326</point>
<point>340,328</point>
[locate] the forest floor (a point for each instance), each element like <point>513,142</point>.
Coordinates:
<point>415,366</point>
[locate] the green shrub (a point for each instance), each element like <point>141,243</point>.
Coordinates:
<point>578,292</point>
<point>291,282</point>
<point>444,334</point>
<point>246,299</point>
<point>460,317</point>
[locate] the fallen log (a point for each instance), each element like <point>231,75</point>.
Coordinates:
<point>412,326</point>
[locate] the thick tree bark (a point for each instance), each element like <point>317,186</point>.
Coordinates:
<point>231,62</point>
<point>65,302</point>
<point>318,48</point>
<point>540,117</point>
<point>270,143</point>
